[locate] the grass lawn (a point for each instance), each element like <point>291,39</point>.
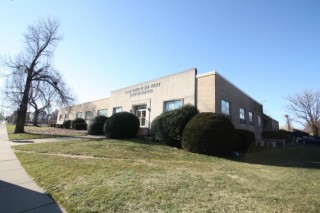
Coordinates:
<point>33,132</point>
<point>141,176</point>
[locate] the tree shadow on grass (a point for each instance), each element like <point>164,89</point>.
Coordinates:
<point>294,155</point>
<point>148,141</point>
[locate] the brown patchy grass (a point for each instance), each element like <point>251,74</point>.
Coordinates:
<point>141,176</point>
<point>32,132</point>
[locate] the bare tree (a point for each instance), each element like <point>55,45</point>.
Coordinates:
<point>305,106</point>
<point>33,65</point>
<point>41,98</point>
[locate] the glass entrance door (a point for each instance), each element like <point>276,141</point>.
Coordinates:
<point>141,113</point>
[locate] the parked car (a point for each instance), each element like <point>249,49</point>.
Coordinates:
<point>309,140</point>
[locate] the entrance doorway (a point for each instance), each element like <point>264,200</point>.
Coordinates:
<point>141,113</point>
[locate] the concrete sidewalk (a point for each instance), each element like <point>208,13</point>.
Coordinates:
<point>18,192</point>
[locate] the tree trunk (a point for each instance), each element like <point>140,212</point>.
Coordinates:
<point>315,130</point>
<point>21,120</point>
<point>22,111</point>
<point>35,119</point>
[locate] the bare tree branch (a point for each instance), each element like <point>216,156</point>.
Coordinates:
<point>31,72</point>
<point>305,106</point>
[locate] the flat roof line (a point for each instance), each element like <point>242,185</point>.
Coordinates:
<point>226,80</point>
<point>195,69</point>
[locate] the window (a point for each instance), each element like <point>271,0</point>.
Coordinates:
<point>103,112</point>
<point>117,109</point>
<point>171,105</point>
<point>79,115</point>
<point>60,117</point>
<point>251,118</point>
<point>259,121</point>
<point>242,116</point>
<point>66,116</point>
<point>89,114</point>
<point>225,107</point>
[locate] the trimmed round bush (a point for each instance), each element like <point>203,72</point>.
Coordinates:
<point>80,126</point>
<point>168,127</point>
<point>67,124</point>
<point>209,133</point>
<point>246,139</point>
<point>96,125</point>
<point>77,121</point>
<point>122,125</point>
<point>59,126</point>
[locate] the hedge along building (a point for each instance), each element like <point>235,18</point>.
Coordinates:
<point>86,111</point>
<point>210,92</point>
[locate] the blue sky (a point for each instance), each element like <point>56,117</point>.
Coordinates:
<point>268,48</point>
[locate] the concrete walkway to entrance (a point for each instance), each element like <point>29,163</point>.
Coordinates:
<point>18,192</point>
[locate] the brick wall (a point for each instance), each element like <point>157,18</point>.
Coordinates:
<point>212,88</point>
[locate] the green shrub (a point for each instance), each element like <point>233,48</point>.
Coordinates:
<point>59,126</point>
<point>96,126</point>
<point>168,127</point>
<point>209,133</point>
<point>77,121</point>
<point>67,124</point>
<point>245,140</point>
<point>277,135</point>
<point>158,126</point>
<point>80,126</point>
<point>122,125</point>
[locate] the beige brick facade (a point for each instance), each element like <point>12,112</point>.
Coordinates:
<point>154,94</point>
<point>212,89</point>
<point>95,107</point>
<point>205,92</point>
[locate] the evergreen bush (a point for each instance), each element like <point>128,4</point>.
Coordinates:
<point>245,140</point>
<point>168,127</point>
<point>96,126</point>
<point>77,121</point>
<point>80,126</point>
<point>209,133</point>
<point>122,125</point>
<point>67,124</point>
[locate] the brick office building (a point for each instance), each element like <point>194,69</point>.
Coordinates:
<point>210,92</point>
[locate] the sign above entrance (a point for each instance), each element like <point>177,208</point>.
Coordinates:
<point>142,90</point>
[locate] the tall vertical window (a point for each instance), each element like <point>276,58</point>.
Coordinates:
<point>242,115</point>
<point>225,107</point>
<point>259,121</point>
<point>171,105</point>
<point>89,114</point>
<point>117,110</point>
<point>79,115</point>
<point>251,118</point>
<point>103,112</point>
<point>66,116</point>
<point>60,117</point>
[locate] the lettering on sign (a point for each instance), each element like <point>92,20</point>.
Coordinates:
<point>142,90</point>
